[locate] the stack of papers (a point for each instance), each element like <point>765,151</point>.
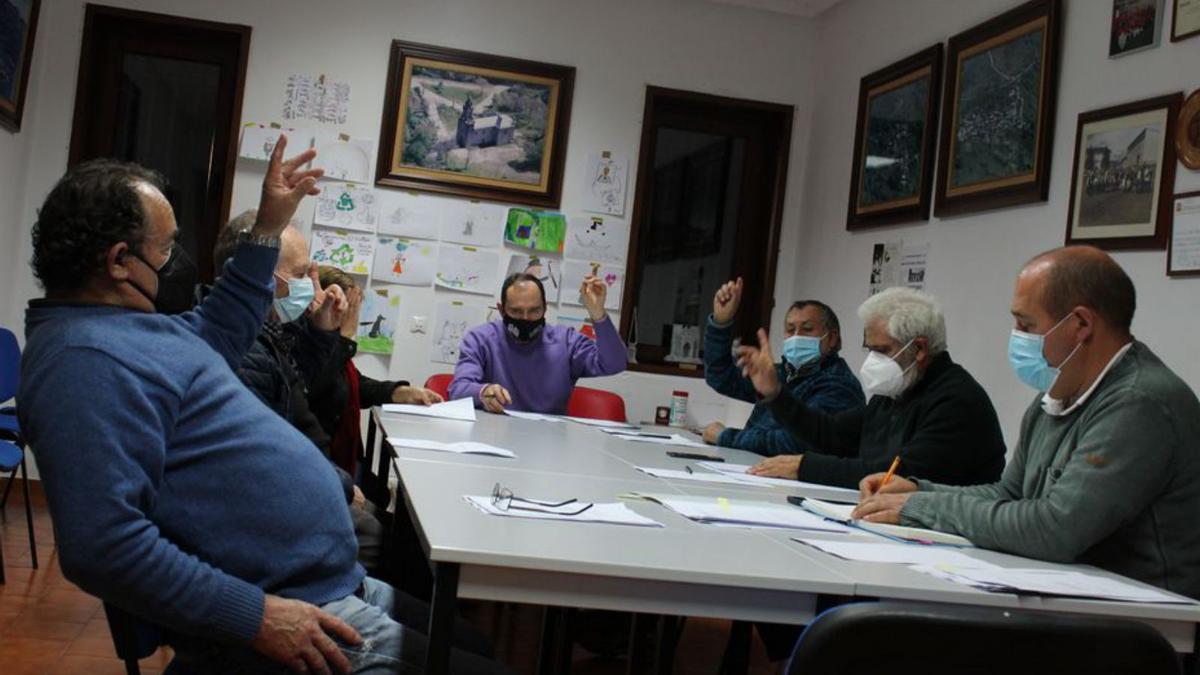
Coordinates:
<point>600,423</point>
<point>462,447</point>
<point>896,553</point>
<point>739,471</point>
<point>661,439</point>
<point>744,513</point>
<point>1065,583</point>
<point>612,512</point>
<point>459,409</point>
<point>841,513</point>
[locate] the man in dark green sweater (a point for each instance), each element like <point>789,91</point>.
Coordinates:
<point>923,407</point>
<point>1107,468</point>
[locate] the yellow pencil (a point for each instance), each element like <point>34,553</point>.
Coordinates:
<point>891,472</point>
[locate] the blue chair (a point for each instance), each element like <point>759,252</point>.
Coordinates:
<point>10,379</point>
<point>902,638</point>
<point>12,457</point>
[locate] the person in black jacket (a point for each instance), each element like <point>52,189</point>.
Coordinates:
<point>923,407</point>
<point>337,391</point>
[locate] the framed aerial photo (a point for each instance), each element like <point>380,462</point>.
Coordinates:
<point>1124,175</point>
<point>474,125</point>
<point>998,111</point>
<point>1136,25</point>
<point>1185,20</point>
<point>18,23</point>
<point>892,173</point>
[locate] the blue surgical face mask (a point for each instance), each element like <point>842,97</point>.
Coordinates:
<point>293,305</point>
<point>801,349</point>
<point>1029,363</point>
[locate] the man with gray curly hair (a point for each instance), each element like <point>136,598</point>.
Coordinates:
<point>923,407</point>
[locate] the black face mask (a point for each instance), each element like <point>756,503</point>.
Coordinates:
<point>524,330</point>
<point>176,283</point>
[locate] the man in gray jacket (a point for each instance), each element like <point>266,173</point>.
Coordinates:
<point>1107,468</point>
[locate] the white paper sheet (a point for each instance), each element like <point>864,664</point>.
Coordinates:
<point>575,270</point>
<point>739,472</point>
<point>673,439</point>
<point>344,158</point>
<point>601,238</point>
<point>599,423</point>
<point>462,447</point>
<point>1050,582</point>
<point>698,476</point>
<point>452,322</point>
<point>606,183</point>
<point>458,409</point>
<point>547,270</point>
<point>258,141</point>
<point>1185,235</point>
<point>473,223</point>
<point>537,417</point>
<point>350,252</point>
<point>896,553</point>
<point>613,512</point>
<point>743,512</point>
<point>408,215</point>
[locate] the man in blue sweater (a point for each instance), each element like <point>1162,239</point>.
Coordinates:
<point>811,369</point>
<point>175,493</point>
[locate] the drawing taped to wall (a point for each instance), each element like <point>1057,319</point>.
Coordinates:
<point>597,238</point>
<point>453,320</point>
<point>317,98</point>
<point>407,214</point>
<point>575,270</point>
<point>547,270</point>
<point>348,206</point>
<point>606,183</point>
<point>344,158</point>
<point>472,223</point>
<point>348,251</point>
<point>409,262</point>
<point>467,269</point>
<point>377,321</point>
<point>543,231</point>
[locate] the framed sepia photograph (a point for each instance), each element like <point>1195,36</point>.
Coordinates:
<point>1136,25</point>
<point>1123,175</point>
<point>1185,20</point>
<point>998,111</point>
<point>1187,132</point>
<point>18,23</point>
<point>474,125</point>
<point>894,137</point>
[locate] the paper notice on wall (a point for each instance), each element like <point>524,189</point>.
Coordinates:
<point>343,158</point>
<point>1185,236</point>
<point>914,259</point>
<point>452,322</point>
<point>348,206</point>
<point>348,251</point>
<point>258,141</point>
<point>885,265</point>
<point>316,97</point>
<point>411,262</point>
<point>606,183</point>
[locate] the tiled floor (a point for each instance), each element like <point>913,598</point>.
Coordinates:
<point>48,626</point>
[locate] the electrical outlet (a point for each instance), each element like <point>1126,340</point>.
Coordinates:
<point>416,324</point>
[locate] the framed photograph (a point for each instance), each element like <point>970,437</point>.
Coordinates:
<point>1187,132</point>
<point>998,111</point>
<point>1183,255</point>
<point>1136,25</point>
<point>474,125</point>
<point>17,28</point>
<point>1185,20</point>
<point>1123,175</point>
<point>893,142</point>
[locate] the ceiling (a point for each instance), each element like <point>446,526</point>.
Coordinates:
<point>804,8</point>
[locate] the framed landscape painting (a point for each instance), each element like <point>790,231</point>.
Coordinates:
<point>474,125</point>
<point>18,23</point>
<point>893,142</point>
<point>1124,175</point>
<point>998,111</point>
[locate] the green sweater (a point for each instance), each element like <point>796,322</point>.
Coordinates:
<point>1115,484</point>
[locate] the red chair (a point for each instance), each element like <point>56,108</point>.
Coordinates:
<point>596,404</point>
<point>440,383</point>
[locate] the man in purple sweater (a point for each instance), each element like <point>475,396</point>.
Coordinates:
<point>519,362</point>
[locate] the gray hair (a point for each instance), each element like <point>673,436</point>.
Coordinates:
<point>909,314</point>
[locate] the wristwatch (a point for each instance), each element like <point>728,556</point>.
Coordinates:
<point>248,237</point>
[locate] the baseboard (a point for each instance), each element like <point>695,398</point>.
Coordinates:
<point>17,495</point>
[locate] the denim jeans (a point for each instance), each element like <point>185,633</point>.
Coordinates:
<point>393,641</point>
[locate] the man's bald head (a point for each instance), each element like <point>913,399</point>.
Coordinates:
<point>1074,276</point>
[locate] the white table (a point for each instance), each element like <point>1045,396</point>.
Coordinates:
<point>684,568</point>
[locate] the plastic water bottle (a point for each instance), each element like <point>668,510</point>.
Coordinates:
<point>679,401</point>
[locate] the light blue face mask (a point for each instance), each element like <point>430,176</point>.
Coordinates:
<point>293,305</point>
<point>1029,363</point>
<point>801,349</point>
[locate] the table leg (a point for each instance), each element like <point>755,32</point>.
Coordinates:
<point>441,619</point>
<point>554,657</point>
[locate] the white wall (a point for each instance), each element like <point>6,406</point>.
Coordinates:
<point>617,48</point>
<point>974,258</point>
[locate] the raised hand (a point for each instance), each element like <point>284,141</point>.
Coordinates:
<point>594,292</point>
<point>726,301</point>
<point>328,308</point>
<point>297,635</point>
<point>758,365</point>
<point>284,186</point>
<point>350,319</point>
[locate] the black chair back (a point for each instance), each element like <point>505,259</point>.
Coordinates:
<point>133,638</point>
<point>902,638</point>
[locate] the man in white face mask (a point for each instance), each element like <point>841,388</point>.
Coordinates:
<point>1107,468</point>
<point>922,406</point>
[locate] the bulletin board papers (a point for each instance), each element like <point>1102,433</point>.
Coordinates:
<point>409,262</point>
<point>349,252</point>
<point>409,215</point>
<point>452,322</point>
<point>573,273</point>
<point>467,269</point>
<point>606,176</point>
<point>597,238</point>
<point>347,206</point>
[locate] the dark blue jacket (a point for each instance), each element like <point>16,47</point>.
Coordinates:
<point>828,386</point>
